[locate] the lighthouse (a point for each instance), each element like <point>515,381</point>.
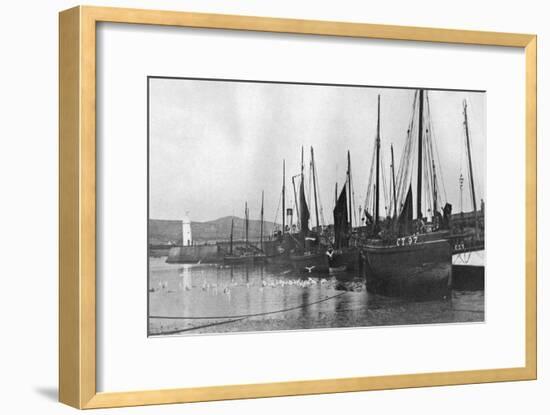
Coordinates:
<point>186,231</point>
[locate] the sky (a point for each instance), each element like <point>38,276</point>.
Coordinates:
<point>215,144</point>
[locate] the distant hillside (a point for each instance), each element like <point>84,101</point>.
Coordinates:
<point>162,232</point>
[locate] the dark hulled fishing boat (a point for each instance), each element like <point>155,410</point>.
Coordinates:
<point>406,256</point>
<point>309,255</point>
<point>277,254</point>
<point>342,256</point>
<point>248,254</point>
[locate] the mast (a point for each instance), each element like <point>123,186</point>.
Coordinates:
<point>461,183</point>
<point>262,224</point>
<point>246,224</point>
<point>284,210</point>
<point>377,194</point>
<point>435,188</point>
<point>420,135</point>
<point>231,239</point>
<point>302,166</point>
<point>301,184</point>
<point>393,183</point>
<point>296,201</point>
<point>350,210</point>
<point>315,188</point>
<point>469,156</point>
<point>335,193</point>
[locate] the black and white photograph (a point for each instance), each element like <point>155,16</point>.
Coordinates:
<point>291,206</point>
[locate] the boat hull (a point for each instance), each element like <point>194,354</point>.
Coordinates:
<point>310,263</point>
<point>345,259</point>
<point>422,268</point>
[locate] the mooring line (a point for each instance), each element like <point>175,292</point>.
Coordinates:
<point>246,315</point>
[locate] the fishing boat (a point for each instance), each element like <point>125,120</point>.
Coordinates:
<point>247,254</point>
<point>309,255</point>
<point>468,239</point>
<point>343,255</point>
<point>278,253</point>
<point>407,256</point>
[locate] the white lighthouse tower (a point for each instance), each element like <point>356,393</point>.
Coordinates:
<point>186,230</point>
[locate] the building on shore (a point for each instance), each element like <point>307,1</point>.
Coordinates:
<point>187,239</point>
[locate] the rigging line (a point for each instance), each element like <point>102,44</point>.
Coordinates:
<point>309,186</point>
<point>370,193</point>
<point>277,211</point>
<point>431,143</point>
<point>438,158</point>
<point>405,162</point>
<point>319,198</point>
<point>404,174</point>
<point>248,315</point>
<point>353,205</point>
<point>475,161</point>
<point>428,173</point>
<point>384,185</point>
<point>470,178</point>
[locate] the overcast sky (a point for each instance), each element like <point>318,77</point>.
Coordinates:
<point>216,144</point>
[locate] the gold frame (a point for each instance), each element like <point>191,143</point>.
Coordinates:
<point>77,212</point>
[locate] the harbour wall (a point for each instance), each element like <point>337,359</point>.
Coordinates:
<point>193,254</point>
<point>212,253</point>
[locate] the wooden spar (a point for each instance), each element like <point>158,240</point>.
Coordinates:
<point>246,224</point>
<point>461,183</point>
<point>377,194</point>
<point>419,176</point>
<point>393,183</point>
<point>435,188</point>
<point>335,193</point>
<point>296,202</point>
<point>469,157</point>
<point>315,188</point>
<point>262,224</point>
<point>302,166</point>
<point>470,166</point>
<point>231,239</point>
<point>349,192</point>
<point>374,201</point>
<point>284,207</point>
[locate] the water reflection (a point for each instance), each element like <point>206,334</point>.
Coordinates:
<point>189,299</point>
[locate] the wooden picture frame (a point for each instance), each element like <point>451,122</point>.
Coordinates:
<point>77,213</point>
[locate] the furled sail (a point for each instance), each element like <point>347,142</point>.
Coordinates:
<point>405,220</point>
<point>341,224</point>
<point>304,211</point>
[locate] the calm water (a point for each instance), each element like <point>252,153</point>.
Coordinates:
<point>238,298</point>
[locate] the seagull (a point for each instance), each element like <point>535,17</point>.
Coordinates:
<point>309,269</point>
<point>330,253</point>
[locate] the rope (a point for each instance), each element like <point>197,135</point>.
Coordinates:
<point>242,316</point>
<point>234,319</point>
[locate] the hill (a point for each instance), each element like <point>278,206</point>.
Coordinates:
<point>163,232</point>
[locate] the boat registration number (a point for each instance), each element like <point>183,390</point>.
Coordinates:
<point>407,240</point>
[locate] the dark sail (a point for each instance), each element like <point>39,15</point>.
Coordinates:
<point>304,211</point>
<point>341,226</point>
<point>405,220</point>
